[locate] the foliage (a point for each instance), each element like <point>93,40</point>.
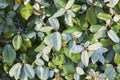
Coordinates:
<point>59,40</point>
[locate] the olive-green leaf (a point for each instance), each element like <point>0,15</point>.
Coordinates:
<point>17,41</point>
<point>29,71</point>
<point>26,41</point>
<point>117,58</point>
<point>113,36</point>
<point>91,16</point>
<point>9,54</point>
<point>26,11</point>
<point>103,16</point>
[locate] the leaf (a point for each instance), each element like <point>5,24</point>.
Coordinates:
<point>26,11</point>
<point>95,58</point>
<point>39,62</point>
<point>68,68</point>
<point>57,42</point>
<point>80,71</point>
<point>113,36</point>
<point>29,71</point>
<point>59,12</point>
<point>110,72</point>
<point>76,76</point>
<point>46,29</point>
<point>51,73</point>
<point>17,41</point>
<point>116,48</point>
<point>23,75</point>
<point>91,16</point>
<point>49,40</point>
<point>76,8</point>
<point>94,46</point>
<point>95,28</point>
<point>68,19</point>
<point>59,3</point>
<point>103,16</point>
<point>18,72</point>
<point>14,69</point>
<point>113,2</point>
<point>58,59</point>
<point>85,58</point>
<point>101,59</point>
<point>117,58</point>
<point>42,73</point>
<point>9,54</point>
<point>26,41</point>
<point>45,57</point>
<point>3,5</point>
<point>54,22</point>
<point>76,49</point>
<point>69,4</point>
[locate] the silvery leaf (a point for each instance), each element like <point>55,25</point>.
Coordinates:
<point>85,58</point>
<point>46,50</point>
<point>71,13</point>
<point>95,57</point>
<point>113,36</point>
<point>45,57</point>
<point>101,58</point>
<point>76,49</point>
<point>51,73</point>
<point>57,42</point>
<point>76,76</point>
<point>80,71</point>
<point>39,62</point>
<point>49,40</point>
<point>94,46</point>
<point>46,29</point>
<point>23,76</point>
<point>54,22</point>
<point>68,19</point>
<point>59,12</point>
<point>69,4</point>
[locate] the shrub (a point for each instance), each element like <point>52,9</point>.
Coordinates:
<point>59,39</point>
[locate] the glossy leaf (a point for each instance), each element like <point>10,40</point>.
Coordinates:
<point>29,71</point>
<point>26,11</point>
<point>17,41</point>
<point>9,54</point>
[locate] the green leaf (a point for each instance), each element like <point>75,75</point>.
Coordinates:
<point>26,11</point>
<point>3,5</point>
<point>26,41</point>
<point>116,48</point>
<point>91,16</point>
<point>29,71</point>
<point>69,4</point>
<point>68,68</point>
<point>9,54</point>
<point>59,3</point>
<point>95,28</point>
<point>76,8</point>
<point>113,36</point>
<point>17,41</point>
<point>58,59</point>
<point>103,16</point>
<point>57,42</point>
<point>117,58</point>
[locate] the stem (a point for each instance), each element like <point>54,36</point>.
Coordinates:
<point>5,41</point>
